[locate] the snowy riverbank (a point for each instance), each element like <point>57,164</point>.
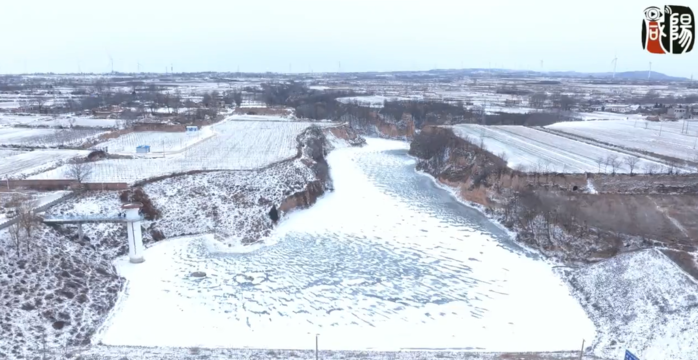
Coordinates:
<point>413,269</point>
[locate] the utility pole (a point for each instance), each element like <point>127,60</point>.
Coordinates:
<point>581,352</point>
<point>316,346</point>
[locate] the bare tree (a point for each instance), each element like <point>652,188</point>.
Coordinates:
<point>631,161</point>
<point>26,220</point>
<point>152,105</point>
<point>207,100</point>
<point>613,161</point>
<point>141,110</point>
<point>25,104</point>
<point>237,98</point>
<point>79,169</point>
<point>98,87</point>
<point>15,231</point>
<point>600,160</point>
<point>176,101</point>
<point>537,99</point>
<point>71,122</point>
<point>39,102</point>
<point>566,102</point>
<point>673,167</point>
<point>651,168</point>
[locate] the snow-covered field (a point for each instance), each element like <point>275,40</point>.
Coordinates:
<point>62,121</point>
<point>19,163</point>
<point>641,302</point>
<point>375,101</point>
<point>45,137</point>
<point>641,135</point>
<point>236,145</point>
<point>238,117</point>
<point>159,142</point>
<point>603,115</point>
<point>493,109</point>
<point>413,269</point>
<point>533,149</point>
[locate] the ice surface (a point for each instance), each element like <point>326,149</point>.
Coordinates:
<point>536,149</point>
<point>386,261</point>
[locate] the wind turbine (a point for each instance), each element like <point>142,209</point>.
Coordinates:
<point>615,63</point>
<point>111,61</point>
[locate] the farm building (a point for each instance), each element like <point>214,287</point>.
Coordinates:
<point>678,112</point>
<point>142,149</point>
<point>512,102</point>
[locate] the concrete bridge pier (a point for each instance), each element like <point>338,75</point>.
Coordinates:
<point>133,227</point>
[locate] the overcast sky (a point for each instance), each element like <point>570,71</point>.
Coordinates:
<point>364,35</point>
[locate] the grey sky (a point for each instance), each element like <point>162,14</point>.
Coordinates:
<point>268,35</point>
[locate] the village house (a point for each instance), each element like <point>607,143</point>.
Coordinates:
<point>678,112</point>
<point>512,102</point>
<point>619,108</point>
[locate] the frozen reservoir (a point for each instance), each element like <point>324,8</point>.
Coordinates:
<point>387,261</point>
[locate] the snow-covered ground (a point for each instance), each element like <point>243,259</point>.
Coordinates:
<point>493,109</point>
<point>411,270</point>
<point>545,152</point>
<point>149,353</point>
<point>15,164</point>
<point>159,142</point>
<point>237,145</point>
<point>239,117</point>
<point>45,137</point>
<point>15,119</point>
<point>603,115</point>
<point>641,135</point>
<point>642,302</point>
<point>82,121</point>
<point>46,198</point>
<point>62,121</point>
<point>373,100</point>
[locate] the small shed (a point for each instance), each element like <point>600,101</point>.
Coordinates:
<point>142,149</point>
<point>192,128</point>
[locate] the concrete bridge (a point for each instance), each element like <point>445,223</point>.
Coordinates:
<point>130,216</point>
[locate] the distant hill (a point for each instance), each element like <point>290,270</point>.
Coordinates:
<point>632,75</point>
<point>627,75</point>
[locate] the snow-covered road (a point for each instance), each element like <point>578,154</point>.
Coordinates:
<point>387,261</point>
